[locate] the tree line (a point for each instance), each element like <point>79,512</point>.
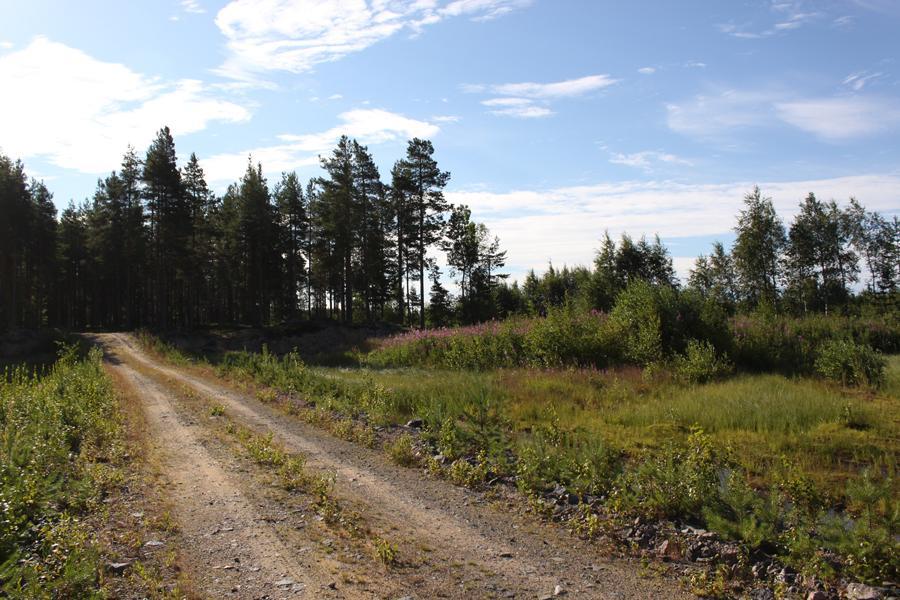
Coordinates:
<point>815,265</point>
<point>155,247</point>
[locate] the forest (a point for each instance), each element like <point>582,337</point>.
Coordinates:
<point>155,247</point>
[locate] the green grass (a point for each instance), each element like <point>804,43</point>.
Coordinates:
<point>59,443</point>
<point>798,448</point>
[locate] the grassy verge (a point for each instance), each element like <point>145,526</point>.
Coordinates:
<point>61,452</point>
<point>787,466</point>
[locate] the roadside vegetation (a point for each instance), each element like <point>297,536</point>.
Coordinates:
<point>777,433</point>
<point>61,452</point>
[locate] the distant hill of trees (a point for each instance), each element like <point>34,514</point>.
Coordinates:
<point>156,248</point>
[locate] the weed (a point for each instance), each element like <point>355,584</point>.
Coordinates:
<point>587,523</point>
<point>469,474</point>
<point>402,451</point>
<point>384,551</point>
<point>217,410</point>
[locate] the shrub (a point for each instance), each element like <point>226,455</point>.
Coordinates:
<point>583,464</point>
<point>402,450</point>
<point>850,363</point>
<point>681,482</point>
<point>700,364</point>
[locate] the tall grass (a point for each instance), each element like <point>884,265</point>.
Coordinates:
<point>58,436</point>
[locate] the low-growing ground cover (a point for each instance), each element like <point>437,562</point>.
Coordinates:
<point>794,465</point>
<point>60,451</point>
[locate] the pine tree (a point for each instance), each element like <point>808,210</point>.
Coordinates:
<point>440,306</point>
<point>426,183</point>
<point>260,264</point>
<point>41,254</point>
<point>170,228</point>
<point>340,221</point>
<point>14,225</point>
<point>201,205</point>
<point>293,223</point>
<point>72,259</point>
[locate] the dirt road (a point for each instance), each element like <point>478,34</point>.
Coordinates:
<point>452,543</point>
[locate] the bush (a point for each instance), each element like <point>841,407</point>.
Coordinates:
<point>699,363</point>
<point>402,451</point>
<point>681,482</point>
<point>850,363</point>
<point>583,464</point>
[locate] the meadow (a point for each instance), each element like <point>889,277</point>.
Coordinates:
<point>780,433</point>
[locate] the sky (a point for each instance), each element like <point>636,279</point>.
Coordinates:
<point>558,119</point>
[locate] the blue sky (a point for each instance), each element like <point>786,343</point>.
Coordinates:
<point>558,119</point>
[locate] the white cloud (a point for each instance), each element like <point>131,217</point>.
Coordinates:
<point>528,111</point>
<point>648,159</point>
<point>369,126</point>
<point>545,91</point>
<point>714,114</point>
<point>558,89</point>
<point>842,118</point>
<point>530,100</point>
<point>832,118</point>
<point>81,113</point>
<point>192,6</point>
<point>506,102</point>
<point>336,97</point>
<point>6,45</point>
<point>296,35</point>
<point>446,119</point>
<point>788,16</point>
<point>695,64</point>
<point>858,81</point>
<point>565,224</point>
<point>647,70</point>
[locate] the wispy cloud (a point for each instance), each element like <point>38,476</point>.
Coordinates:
<point>717,113</point>
<point>532,100</point>
<point>6,45</point>
<point>296,35</point>
<point>839,119</point>
<point>369,126</point>
<point>647,70</point>
<point>192,6</point>
<point>647,160</point>
<point>889,7</point>
<point>832,118</point>
<point>106,107</point>
<point>783,16</point>
<point>858,81</point>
